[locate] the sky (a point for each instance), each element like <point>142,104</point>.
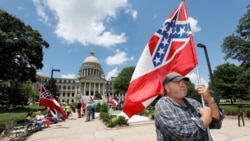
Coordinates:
<point>118,30</point>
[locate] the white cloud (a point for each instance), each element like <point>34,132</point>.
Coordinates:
<point>132,12</point>
<point>119,58</point>
<point>113,73</point>
<point>69,75</point>
<point>85,21</point>
<point>194,79</point>
<point>194,24</point>
<point>40,11</point>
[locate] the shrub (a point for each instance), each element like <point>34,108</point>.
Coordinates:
<point>104,116</point>
<point>98,107</point>
<point>151,115</point>
<point>248,113</point>
<point>122,120</point>
<point>104,108</point>
<point>230,110</point>
<point>113,121</point>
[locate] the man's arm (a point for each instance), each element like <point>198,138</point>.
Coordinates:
<point>209,101</point>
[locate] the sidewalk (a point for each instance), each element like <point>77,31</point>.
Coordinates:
<point>76,129</point>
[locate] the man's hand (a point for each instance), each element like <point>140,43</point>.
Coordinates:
<point>206,115</point>
<point>202,90</point>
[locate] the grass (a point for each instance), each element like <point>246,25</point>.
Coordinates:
<point>17,114</point>
<point>232,109</point>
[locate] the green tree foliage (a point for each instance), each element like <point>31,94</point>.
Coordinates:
<point>237,46</point>
<point>121,82</point>
<point>12,95</point>
<point>52,87</point>
<point>228,81</point>
<point>21,49</point>
<point>26,89</point>
<point>192,92</point>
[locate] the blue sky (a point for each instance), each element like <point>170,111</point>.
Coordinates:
<point>118,30</point>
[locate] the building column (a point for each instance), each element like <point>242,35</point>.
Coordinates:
<point>84,88</point>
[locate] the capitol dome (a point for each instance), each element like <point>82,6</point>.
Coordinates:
<point>91,59</point>
<point>91,67</point>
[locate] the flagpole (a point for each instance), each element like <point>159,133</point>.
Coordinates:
<point>202,101</point>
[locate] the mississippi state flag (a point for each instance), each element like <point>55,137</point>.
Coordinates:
<point>112,101</point>
<point>171,48</point>
<point>46,99</point>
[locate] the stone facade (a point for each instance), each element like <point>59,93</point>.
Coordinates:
<point>90,83</point>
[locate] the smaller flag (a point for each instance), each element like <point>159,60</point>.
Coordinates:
<point>112,101</point>
<point>46,99</point>
<point>91,100</point>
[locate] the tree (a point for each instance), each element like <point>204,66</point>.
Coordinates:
<point>192,92</point>
<point>21,49</point>
<point>237,46</point>
<point>12,94</point>
<point>26,89</point>
<point>121,82</point>
<point>228,79</point>
<point>52,87</point>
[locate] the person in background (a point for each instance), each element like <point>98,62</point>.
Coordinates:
<point>88,110</point>
<point>29,119</point>
<point>240,115</point>
<point>178,117</point>
<point>68,110</point>
<point>51,115</point>
<point>83,108</point>
<point>39,120</point>
<point>78,105</point>
<point>93,109</point>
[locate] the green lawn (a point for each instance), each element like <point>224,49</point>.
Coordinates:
<point>16,114</point>
<point>233,109</point>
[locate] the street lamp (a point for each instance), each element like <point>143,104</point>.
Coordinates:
<point>58,70</point>
<point>210,70</point>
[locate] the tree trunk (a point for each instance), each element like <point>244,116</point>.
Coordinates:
<point>232,101</point>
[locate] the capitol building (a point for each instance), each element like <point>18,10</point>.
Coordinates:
<point>90,83</point>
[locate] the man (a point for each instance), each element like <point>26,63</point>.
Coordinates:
<point>88,110</point>
<point>68,109</point>
<point>93,109</point>
<point>78,105</point>
<point>178,118</point>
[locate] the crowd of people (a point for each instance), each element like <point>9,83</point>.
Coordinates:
<point>52,116</point>
<point>40,120</point>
